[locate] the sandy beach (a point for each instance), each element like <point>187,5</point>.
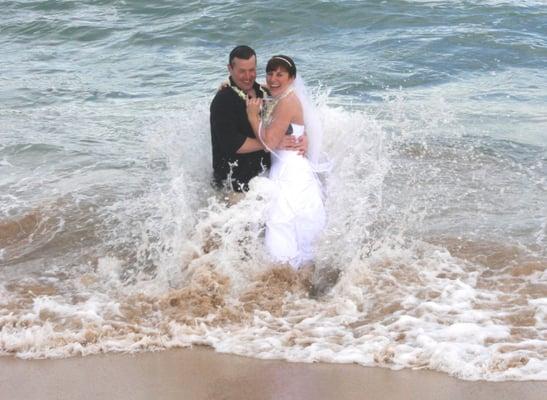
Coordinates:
<point>201,373</point>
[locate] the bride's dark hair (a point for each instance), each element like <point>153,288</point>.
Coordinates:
<point>281,61</point>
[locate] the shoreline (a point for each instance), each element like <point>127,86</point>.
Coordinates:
<point>202,373</point>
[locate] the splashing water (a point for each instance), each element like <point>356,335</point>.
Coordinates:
<point>178,266</point>
<point>434,256</point>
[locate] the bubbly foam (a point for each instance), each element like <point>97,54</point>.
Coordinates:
<point>177,265</point>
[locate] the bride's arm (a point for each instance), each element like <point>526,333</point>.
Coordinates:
<point>273,135</point>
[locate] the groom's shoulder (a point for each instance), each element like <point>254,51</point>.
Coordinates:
<point>223,98</point>
<point>224,94</point>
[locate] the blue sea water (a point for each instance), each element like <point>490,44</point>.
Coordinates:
<point>435,115</point>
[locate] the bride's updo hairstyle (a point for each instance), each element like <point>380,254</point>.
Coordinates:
<point>284,62</point>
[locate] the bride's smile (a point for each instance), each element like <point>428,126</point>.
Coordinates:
<point>278,81</point>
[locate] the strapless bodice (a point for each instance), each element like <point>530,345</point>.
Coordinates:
<point>297,130</point>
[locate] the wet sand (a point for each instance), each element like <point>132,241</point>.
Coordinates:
<point>201,373</point>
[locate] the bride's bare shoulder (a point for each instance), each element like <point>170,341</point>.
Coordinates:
<point>292,102</point>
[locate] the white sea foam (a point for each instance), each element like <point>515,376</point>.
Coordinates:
<point>182,267</point>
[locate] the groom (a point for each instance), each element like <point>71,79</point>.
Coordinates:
<point>237,155</point>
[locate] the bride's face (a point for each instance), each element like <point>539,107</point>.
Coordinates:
<point>278,81</point>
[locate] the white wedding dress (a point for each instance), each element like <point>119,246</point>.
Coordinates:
<point>296,215</point>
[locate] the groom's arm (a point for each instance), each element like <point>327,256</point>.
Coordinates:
<point>225,132</point>
<point>289,142</point>
<point>299,144</point>
<point>250,145</point>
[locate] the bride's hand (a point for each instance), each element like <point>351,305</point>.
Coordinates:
<point>302,145</point>
<point>298,144</point>
<point>253,107</point>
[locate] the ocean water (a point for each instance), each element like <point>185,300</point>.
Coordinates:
<point>434,257</point>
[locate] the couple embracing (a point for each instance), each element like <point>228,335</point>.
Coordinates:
<point>254,128</point>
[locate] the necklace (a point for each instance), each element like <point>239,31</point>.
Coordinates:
<point>239,92</point>
<point>269,105</point>
<point>244,95</point>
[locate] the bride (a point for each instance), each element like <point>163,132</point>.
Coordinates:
<point>296,215</point>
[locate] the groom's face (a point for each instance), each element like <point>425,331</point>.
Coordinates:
<point>243,72</point>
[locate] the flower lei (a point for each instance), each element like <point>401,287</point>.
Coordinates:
<point>269,106</point>
<point>239,92</point>
<point>242,94</point>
